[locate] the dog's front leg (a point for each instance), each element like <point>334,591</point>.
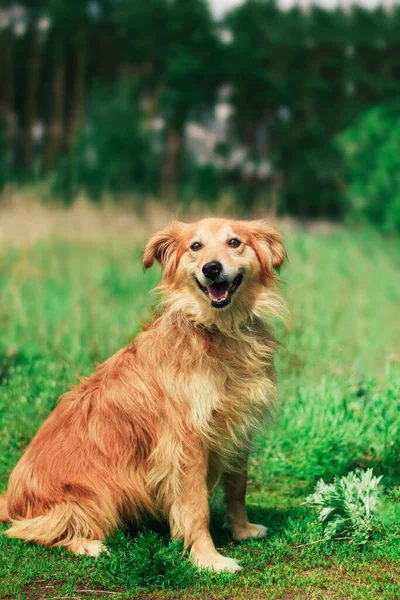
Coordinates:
<point>235,486</point>
<point>189,515</point>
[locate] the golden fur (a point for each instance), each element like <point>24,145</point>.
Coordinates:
<point>158,423</point>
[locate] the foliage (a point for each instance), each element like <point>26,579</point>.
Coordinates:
<point>299,79</point>
<point>66,306</point>
<point>372,152</point>
<point>348,507</point>
<point>113,151</point>
<point>295,79</point>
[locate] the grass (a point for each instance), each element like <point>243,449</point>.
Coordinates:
<point>66,305</point>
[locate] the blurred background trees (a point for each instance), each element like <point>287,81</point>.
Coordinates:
<point>157,97</point>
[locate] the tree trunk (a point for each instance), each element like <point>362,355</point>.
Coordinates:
<point>56,124</point>
<point>35,61</point>
<point>171,167</point>
<point>7,90</point>
<point>78,92</point>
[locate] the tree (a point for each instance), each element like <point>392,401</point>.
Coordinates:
<point>371,147</point>
<point>8,116</point>
<point>191,77</point>
<point>55,129</point>
<point>286,73</point>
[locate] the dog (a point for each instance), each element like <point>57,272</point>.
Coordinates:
<point>160,422</point>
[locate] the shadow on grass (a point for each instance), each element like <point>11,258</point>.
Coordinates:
<point>145,556</point>
<point>274,519</point>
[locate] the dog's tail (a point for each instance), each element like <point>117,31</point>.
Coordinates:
<point>4,516</point>
<point>66,522</point>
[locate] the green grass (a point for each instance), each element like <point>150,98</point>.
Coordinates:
<point>64,307</point>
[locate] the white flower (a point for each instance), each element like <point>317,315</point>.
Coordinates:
<point>158,124</point>
<point>225,92</point>
<point>264,169</point>
<point>17,12</point>
<point>4,20</point>
<point>284,113</point>
<point>37,131</point>
<point>43,24</point>
<point>225,35</point>
<point>237,157</point>
<point>223,111</point>
<point>94,9</point>
<point>20,28</point>
<point>248,169</point>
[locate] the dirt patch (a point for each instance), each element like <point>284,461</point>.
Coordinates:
<point>42,589</point>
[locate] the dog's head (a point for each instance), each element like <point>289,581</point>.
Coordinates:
<point>216,264</point>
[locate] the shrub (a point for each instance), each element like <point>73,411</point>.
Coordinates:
<point>371,148</point>
<point>348,506</point>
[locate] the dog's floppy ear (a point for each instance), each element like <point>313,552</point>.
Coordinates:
<point>164,247</point>
<point>268,245</point>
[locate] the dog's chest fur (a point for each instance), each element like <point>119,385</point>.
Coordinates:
<point>232,388</point>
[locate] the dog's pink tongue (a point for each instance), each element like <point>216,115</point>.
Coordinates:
<point>218,290</point>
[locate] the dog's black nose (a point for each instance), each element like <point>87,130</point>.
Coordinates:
<point>212,269</point>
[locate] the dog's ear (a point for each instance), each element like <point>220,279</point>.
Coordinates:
<point>267,243</point>
<point>164,247</point>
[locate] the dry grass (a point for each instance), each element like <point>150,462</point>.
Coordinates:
<point>24,219</point>
<point>28,215</point>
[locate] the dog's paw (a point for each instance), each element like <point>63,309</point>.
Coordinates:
<point>247,531</point>
<point>219,563</point>
<point>88,547</point>
<point>223,563</point>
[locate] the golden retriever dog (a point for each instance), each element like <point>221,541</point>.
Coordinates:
<point>159,423</point>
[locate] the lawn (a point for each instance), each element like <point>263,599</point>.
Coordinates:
<point>65,306</point>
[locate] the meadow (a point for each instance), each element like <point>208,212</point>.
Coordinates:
<point>66,305</point>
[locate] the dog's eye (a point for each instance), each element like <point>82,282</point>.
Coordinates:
<point>196,246</point>
<point>234,243</point>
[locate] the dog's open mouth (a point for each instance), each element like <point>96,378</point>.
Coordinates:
<point>220,294</point>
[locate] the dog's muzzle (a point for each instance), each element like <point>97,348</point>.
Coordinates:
<point>220,293</point>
